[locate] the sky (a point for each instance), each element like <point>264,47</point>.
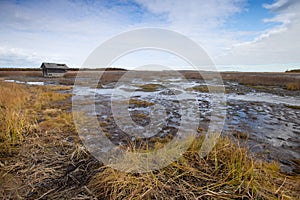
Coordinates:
<point>238,35</point>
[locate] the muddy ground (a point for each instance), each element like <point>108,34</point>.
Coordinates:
<point>252,110</point>
<point>265,117</point>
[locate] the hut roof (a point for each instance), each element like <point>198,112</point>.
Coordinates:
<point>54,66</point>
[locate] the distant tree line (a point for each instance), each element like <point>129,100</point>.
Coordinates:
<point>70,69</point>
<point>293,71</point>
<point>20,69</point>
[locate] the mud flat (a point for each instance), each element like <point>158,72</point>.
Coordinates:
<point>266,114</point>
<point>268,122</point>
<point>262,118</point>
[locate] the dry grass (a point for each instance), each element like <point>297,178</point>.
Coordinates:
<point>293,86</point>
<point>281,80</point>
<point>20,73</point>
<point>44,95</point>
<point>263,79</point>
<point>59,87</point>
<point>226,173</point>
<point>150,87</point>
<point>140,103</point>
<point>207,89</point>
<point>14,120</point>
<point>49,161</point>
<point>199,88</point>
<point>107,77</point>
<point>17,105</point>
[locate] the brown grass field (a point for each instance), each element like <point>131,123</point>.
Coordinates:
<point>287,80</point>
<point>42,157</point>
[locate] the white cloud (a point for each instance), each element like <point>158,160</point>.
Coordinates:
<point>280,4</point>
<point>70,30</point>
<point>188,11</point>
<point>67,31</point>
<point>279,45</point>
<point>201,20</point>
<point>276,5</point>
<point>285,18</point>
<point>11,56</point>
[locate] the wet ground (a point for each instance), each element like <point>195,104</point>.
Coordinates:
<point>266,120</point>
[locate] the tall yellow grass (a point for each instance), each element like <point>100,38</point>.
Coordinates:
<point>17,105</point>
<point>228,172</point>
<point>13,117</point>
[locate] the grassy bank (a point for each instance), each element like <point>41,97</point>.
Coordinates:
<point>42,158</point>
<point>35,153</point>
<point>228,172</point>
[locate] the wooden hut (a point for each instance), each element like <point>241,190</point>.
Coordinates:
<point>54,69</point>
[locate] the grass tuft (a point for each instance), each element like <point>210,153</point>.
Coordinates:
<point>150,87</point>
<point>140,103</point>
<point>293,86</point>
<point>226,173</point>
<point>207,89</point>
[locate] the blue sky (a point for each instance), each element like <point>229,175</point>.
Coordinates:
<point>251,17</point>
<point>239,35</point>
